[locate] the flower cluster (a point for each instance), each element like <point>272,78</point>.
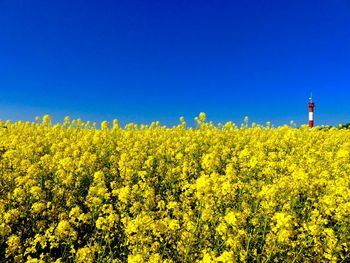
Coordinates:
<point>70,192</point>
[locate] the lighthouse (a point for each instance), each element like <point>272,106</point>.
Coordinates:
<point>311,112</point>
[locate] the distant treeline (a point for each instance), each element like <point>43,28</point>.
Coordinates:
<point>340,127</point>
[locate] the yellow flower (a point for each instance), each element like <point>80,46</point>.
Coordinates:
<point>202,116</point>
<point>135,258</point>
<point>38,207</point>
<point>149,193</point>
<point>47,119</point>
<point>104,125</point>
<point>226,257</point>
<point>34,260</point>
<point>13,244</point>
<point>85,254</point>
<point>64,230</point>
<point>124,193</point>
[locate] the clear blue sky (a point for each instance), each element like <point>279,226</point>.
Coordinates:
<point>141,61</point>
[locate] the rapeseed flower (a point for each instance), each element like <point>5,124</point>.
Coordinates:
<point>148,193</point>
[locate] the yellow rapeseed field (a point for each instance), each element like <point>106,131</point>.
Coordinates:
<point>77,192</point>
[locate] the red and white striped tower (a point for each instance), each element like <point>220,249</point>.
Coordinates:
<point>311,113</point>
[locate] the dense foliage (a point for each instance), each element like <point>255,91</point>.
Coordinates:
<point>72,193</point>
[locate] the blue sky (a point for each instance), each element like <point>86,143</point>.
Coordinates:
<point>141,61</point>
